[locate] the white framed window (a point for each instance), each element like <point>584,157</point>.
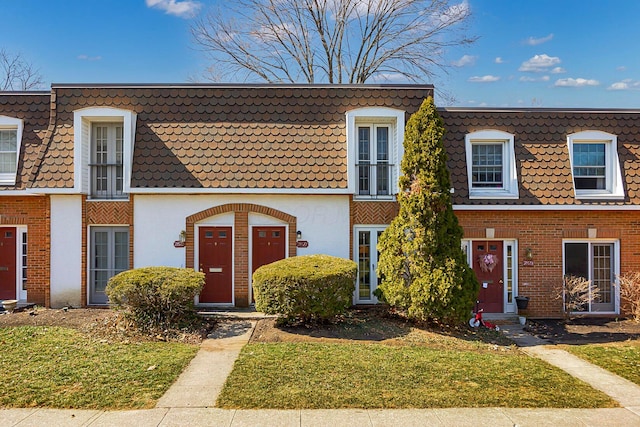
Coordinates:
<point>598,262</point>
<point>10,141</point>
<point>109,255</point>
<point>491,165</point>
<point>104,141</point>
<point>595,165</point>
<point>374,150</point>
<point>106,167</point>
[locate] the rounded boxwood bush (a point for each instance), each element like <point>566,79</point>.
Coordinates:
<point>156,298</point>
<point>307,288</point>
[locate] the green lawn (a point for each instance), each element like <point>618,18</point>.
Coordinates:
<point>622,359</point>
<point>314,375</point>
<point>62,368</point>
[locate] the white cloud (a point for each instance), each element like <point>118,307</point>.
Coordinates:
<point>464,61</point>
<point>558,70</point>
<point>528,79</point>
<point>484,79</point>
<point>626,84</point>
<point>89,58</point>
<point>532,41</point>
<point>498,60</point>
<point>539,63</point>
<point>183,9</point>
<point>621,68</point>
<point>455,13</point>
<point>579,82</point>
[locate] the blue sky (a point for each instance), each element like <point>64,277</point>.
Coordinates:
<point>542,53</point>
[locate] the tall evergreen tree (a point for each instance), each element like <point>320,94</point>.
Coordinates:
<point>423,268</point>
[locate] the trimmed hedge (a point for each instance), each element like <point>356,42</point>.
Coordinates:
<point>156,298</point>
<point>307,288</point>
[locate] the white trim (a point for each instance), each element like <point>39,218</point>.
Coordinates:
<point>10,123</point>
<point>507,308</point>
<point>196,258</point>
<point>373,228</point>
<point>583,207</point>
<point>616,270</point>
<point>82,120</point>
<point>375,115</point>
<point>509,188</point>
<point>174,190</point>
<point>613,175</point>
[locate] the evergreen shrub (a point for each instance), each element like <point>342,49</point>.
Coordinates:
<point>156,298</point>
<point>305,288</point>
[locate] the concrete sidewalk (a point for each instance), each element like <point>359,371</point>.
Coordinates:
<point>190,401</point>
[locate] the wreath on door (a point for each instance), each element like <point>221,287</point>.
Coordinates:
<point>487,262</point>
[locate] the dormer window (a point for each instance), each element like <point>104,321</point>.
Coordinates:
<point>104,143</point>
<point>374,149</point>
<point>491,165</point>
<point>595,165</point>
<point>10,138</point>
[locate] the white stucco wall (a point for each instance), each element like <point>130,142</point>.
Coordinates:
<point>66,250</point>
<point>158,220</point>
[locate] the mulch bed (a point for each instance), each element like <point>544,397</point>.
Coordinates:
<point>587,330</point>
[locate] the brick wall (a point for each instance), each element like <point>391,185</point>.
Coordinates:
<point>241,240</point>
<point>33,212</point>
<point>543,232</point>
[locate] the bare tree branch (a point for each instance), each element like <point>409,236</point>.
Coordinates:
<point>334,41</point>
<point>18,74</point>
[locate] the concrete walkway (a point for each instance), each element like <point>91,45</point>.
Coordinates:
<point>190,401</point>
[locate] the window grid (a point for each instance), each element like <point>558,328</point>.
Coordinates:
<point>8,150</point>
<point>24,260</point>
<point>589,166</point>
<point>107,161</point>
<point>487,165</point>
<point>364,270</point>
<point>602,274</point>
<point>374,178</point>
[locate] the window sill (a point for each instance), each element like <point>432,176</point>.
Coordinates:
<point>363,198</point>
<point>495,194</point>
<point>595,195</point>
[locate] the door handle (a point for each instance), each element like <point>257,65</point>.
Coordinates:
<point>501,282</point>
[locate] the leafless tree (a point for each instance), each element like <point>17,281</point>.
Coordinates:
<point>576,293</point>
<point>334,41</point>
<point>630,293</point>
<point>18,74</point>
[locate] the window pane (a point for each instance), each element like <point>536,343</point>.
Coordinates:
<point>364,143</point>
<point>589,166</point>
<point>8,162</point>
<point>486,170</point>
<point>576,259</point>
<point>364,264</point>
<point>382,136</point>
<point>602,273</point>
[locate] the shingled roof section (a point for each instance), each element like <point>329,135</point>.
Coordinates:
<point>542,153</point>
<point>33,109</point>
<point>284,137</point>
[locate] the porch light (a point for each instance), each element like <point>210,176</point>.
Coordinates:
<point>299,235</point>
<point>182,237</point>
<point>528,253</point>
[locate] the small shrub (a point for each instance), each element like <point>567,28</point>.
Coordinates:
<point>576,293</point>
<point>307,288</point>
<point>156,298</point>
<point>630,293</point>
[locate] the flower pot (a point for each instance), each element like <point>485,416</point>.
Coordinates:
<point>523,320</point>
<point>9,305</point>
<point>522,302</point>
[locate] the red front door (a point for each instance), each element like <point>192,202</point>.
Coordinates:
<point>268,246</point>
<point>7,263</point>
<point>487,264</point>
<point>216,262</point>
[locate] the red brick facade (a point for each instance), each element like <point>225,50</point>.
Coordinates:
<point>33,212</point>
<point>543,231</point>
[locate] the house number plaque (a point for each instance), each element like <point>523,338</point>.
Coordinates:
<point>302,244</point>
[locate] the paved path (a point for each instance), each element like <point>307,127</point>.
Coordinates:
<point>190,401</point>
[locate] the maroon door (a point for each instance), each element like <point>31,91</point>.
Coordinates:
<point>7,263</point>
<point>216,262</point>
<point>268,246</point>
<point>487,264</point>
